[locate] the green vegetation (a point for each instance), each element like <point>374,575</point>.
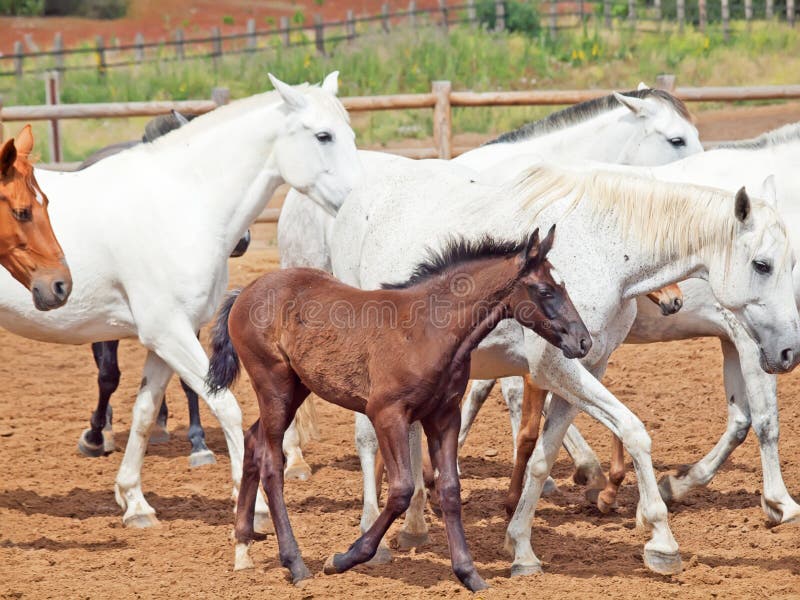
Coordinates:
<point>407,61</point>
<point>22,7</point>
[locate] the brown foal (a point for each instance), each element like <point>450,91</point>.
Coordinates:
<point>400,354</point>
<point>28,247</point>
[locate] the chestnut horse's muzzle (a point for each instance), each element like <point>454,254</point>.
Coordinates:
<point>51,289</point>
<point>576,342</point>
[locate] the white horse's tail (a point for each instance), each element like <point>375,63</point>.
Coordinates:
<point>305,420</point>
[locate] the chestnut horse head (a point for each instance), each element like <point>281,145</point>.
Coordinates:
<point>542,302</point>
<point>28,247</point>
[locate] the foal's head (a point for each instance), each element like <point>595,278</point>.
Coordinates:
<point>28,247</point>
<point>540,301</point>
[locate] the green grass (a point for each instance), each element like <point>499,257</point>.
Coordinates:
<point>407,61</point>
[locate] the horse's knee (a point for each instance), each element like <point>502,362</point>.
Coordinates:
<point>616,474</point>
<point>399,498</point>
<point>226,410</point>
<point>108,377</point>
<point>449,496</point>
<point>635,438</point>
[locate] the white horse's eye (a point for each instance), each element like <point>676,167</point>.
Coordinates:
<point>677,142</point>
<point>324,137</point>
<point>762,267</point>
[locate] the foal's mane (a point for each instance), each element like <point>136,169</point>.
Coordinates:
<point>638,206</point>
<point>457,251</point>
<point>782,135</point>
<point>584,111</point>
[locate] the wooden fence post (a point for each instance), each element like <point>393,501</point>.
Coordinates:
<point>499,16</point>
<point>139,50</point>
<point>412,14</point>
<point>285,30</point>
<point>580,11</point>
<point>53,97</point>
<point>101,54</point>
<point>748,13</point>
<point>385,17</point>
<point>769,11</point>
<point>216,44</point>
<point>553,9</point>
<point>471,14</point>
<point>442,119</point>
<point>220,95</point>
<point>666,82</point>
<point>350,25</point>
<point>445,17</point>
<point>319,34</point>
<point>180,51</point>
<point>58,51</point>
<point>657,7</point>
<point>251,35</point>
<point>703,17</point>
<point>632,12</point>
<point>681,14</point>
<point>726,18</point>
<point>18,58</point>
<point>790,12</point>
<point>607,13</point>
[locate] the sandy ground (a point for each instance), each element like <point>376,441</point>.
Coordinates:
<point>61,534</point>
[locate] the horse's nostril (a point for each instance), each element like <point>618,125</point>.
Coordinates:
<point>584,345</point>
<point>678,303</point>
<point>60,289</point>
<point>787,357</point>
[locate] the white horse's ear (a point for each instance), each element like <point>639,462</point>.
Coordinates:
<point>642,86</point>
<point>769,191</point>
<point>742,205</point>
<point>179,118</point>
<point>639,107</point>
<point>331,83</point>
<point>293,98</point>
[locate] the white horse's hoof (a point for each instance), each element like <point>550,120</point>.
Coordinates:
<point>87,448</point>
<point>158,435</point>
<point>242,558</point>
<point>407,541</point>
<point>549,488</point>
<point>262,523</point>
<point>383,556</point>
<point>201,457</point>
<point>663,563</point>
<point>140,521</point>
<point>523,570</point>
<point>301,472</point>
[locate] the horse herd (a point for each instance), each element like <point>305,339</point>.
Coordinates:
<point>529,260</point>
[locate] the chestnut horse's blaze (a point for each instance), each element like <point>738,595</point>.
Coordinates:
<point>300,330</point>
<point>28,247</point>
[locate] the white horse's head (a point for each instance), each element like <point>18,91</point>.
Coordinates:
<point>316,152</point>
<point>755,283</point>
<point>661,128</point>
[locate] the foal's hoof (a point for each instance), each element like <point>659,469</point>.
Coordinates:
<point>406,541</point>
<point>663,563</point>
<point>242,558</point>
<point>159,434</point>
<point>300,575</point>
<point>596,497</point>
<point>330,567</point>
<point>299,472</point>
<point>201,457</point>
<point>383,556</point>
<point>262,523</point>
<point>88,448</point>
<point>591,476</point>
<point>475,583</point>
<point>140,521</point>
<point>523,570</point>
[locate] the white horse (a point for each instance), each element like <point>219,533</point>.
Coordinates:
<point>642,127</point>
<point>769,162</point>
<point>618,238</point>
<point>148,232</point>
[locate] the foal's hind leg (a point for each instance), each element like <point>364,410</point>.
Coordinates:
<point>442,431</point>
<point>392,432</point>
<point>243,532</point>
<point>99,438</point>
<point>606,498</point>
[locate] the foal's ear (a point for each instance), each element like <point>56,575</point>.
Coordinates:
<point>24,143</point>
<point>638,106</point>
<point>538,252</point>
<point>293,98</point>
<point>742,205</point>
<point>331,83</point>
<point>8,154</point>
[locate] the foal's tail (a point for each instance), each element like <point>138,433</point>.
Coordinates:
<point>224,367</point>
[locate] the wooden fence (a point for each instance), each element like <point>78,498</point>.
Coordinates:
<point>442,99</point>
<point>555,15</point>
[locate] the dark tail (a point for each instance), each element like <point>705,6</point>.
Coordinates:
<point>224,367</point>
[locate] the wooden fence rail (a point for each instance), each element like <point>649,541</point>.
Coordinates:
<point>442,99</point>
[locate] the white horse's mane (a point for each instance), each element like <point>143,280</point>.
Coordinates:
<point>782,135</point>
<point>702,218</point>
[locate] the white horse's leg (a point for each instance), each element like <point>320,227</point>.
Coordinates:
<point>296,466</point>
<point>181,350</point>
<point>476,396</point>
<point>128,488</point>
<point>415,530</point>
<point>587,393</point>
<point>367,446</point>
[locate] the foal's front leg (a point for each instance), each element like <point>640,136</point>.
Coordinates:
<point>392,432</point>
<point>442,430</point>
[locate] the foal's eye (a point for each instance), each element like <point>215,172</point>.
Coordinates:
<point>324,137</point>
<point>762,266</point>
<point>545,293</point>
<point>677,142</point>
<point>22,214</point>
